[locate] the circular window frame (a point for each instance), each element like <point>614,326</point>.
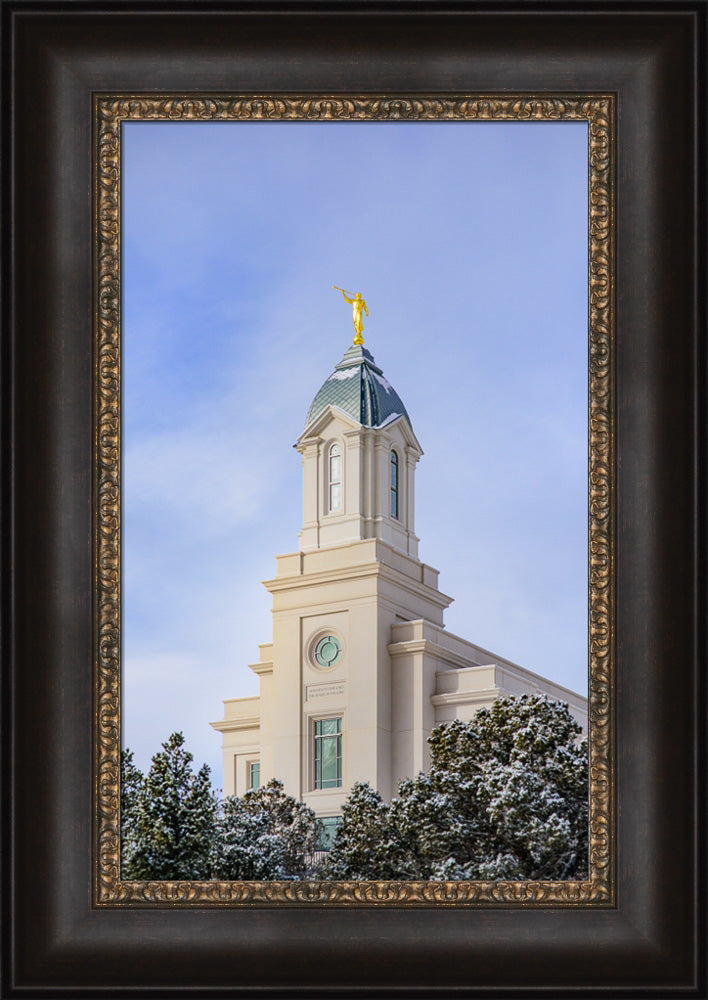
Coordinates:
<point>314,642</point>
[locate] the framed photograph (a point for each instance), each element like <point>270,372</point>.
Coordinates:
<point>378,612</point>
<point>101,372</point>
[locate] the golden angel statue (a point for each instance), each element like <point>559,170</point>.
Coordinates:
<point>358,304</point>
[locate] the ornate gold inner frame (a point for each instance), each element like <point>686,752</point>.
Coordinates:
<point>109,112</point>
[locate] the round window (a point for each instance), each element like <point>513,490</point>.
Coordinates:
<point>328,650</point>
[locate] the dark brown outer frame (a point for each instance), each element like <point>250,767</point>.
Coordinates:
<point>651,943</point>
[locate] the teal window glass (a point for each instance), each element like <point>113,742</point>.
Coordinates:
<point>254,775</point>
<point>328,753</point>
<point>394,484</point>
<point>335,478</point>
<point>327,831</point>
<point>328,650</point>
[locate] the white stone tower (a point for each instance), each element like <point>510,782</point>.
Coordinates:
<point>334,602</point>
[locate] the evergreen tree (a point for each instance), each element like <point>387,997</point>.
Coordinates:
<point>521,773</point>
<point>132,783</point>
<point>506,797</point>
<point>366,845</point>
<point>266,835</point>
<point>170,817</point>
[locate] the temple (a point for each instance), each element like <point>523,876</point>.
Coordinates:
<point>360,667</point>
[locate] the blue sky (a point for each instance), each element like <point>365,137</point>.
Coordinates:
<point>469,242</point>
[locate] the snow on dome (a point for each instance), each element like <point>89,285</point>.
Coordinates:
<point>383,381</point>
<point>358,387</point>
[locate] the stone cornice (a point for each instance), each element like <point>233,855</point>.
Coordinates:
<point>433,649</point>
<point>361,571</point>
<point>468,697</point>
<point>265,667</point>
<point>506,667</point>
<point>237,725</point>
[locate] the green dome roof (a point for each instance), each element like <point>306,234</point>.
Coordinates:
<point>357,386</point>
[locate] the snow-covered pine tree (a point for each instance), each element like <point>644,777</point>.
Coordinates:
<point>506,797</point>
<point>132,781</point>
<point>516,778</point>
<point>266,835</point>
<point>171,821</point>
<point>366,846</point>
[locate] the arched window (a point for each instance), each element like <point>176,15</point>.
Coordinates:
<point>335,478</point>
<point>394,484</point>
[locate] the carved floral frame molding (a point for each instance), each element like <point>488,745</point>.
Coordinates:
<point>109,112</point>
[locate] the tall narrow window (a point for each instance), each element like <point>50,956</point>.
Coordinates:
<point>394,484</point>
<point>328,753</point>
<point>254,774</point>
<point>335,478</point>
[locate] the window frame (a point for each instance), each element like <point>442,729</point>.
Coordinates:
<point>250,765</point>
<point>394,488</point>
<point>335,450</point>
<point>318,740</point>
